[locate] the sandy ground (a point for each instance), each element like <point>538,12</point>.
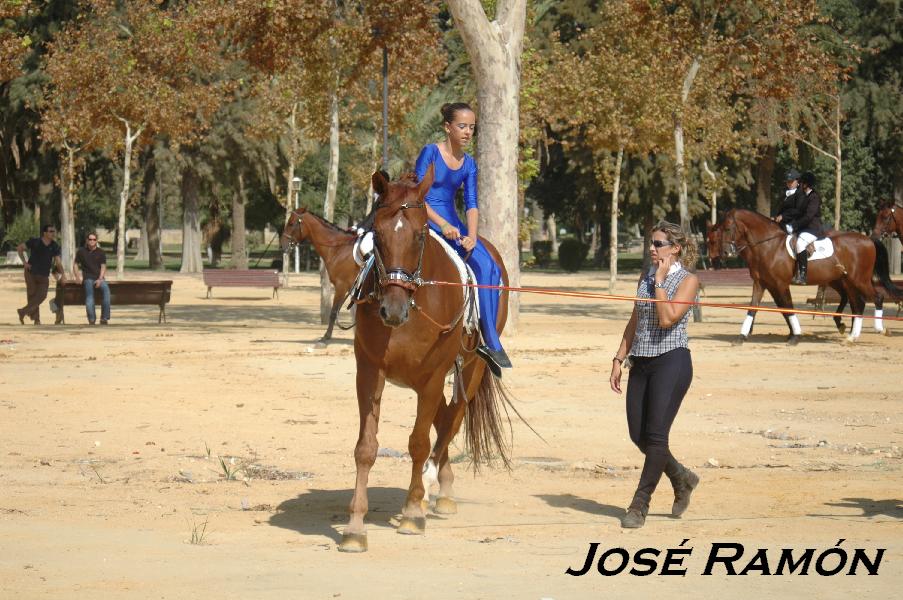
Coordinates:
<point>111,442</point>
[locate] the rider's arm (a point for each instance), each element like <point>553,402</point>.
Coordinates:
<point>627,339</point>
<point>671,313</point>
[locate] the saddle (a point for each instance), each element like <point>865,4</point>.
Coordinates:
<point>364,257</point>
<point>820,248</point>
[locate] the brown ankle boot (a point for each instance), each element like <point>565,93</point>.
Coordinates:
<point>635,517</point>
<point>684,484</point>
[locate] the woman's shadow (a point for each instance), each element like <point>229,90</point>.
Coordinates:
<point>582,504</point>
<point>319,512</point>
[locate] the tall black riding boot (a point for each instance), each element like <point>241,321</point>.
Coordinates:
<point>802,265</point>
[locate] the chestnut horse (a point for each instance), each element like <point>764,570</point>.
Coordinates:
<point>760,242</point>
<point>889,221</point>
<point>411,333</point>
<point>334,245</point>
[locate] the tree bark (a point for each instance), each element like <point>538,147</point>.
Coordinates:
<point>838,167</point>
<point>332,183</point>
<point>191,224</point>
<point>124,197</point>
<point>67,210</point>
<point>613,242</point>
<point>495,53</point>
<point>152,218</point>
<point>239,247</point>
<point>683,197</point>
<point>764,175</point>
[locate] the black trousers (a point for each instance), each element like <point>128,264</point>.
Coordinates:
<point>655,390</point>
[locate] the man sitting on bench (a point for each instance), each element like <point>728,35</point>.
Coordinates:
<point>93,262</point>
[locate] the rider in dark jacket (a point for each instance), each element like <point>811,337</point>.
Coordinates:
<point>806,224</point>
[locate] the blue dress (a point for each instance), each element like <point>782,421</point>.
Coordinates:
<point>441,198</point>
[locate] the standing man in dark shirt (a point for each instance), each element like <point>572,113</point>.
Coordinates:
<point>43,256</point>
<point>93,262</point>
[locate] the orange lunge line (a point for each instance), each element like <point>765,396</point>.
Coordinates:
<point>553,292</point>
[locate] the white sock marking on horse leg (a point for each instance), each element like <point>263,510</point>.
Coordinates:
<point>747,325</point>
<point>399,225</point>
<point>879,322</point>
<point>795,325</point>
<point>430,477</point>
<point>857,328</point>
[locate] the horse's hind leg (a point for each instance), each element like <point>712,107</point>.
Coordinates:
<point>879,314</point>
<point>838,320</point>
<point>784,300</point>
<point>333,315</point>
<point>370,383</point>
<point>413,518</point>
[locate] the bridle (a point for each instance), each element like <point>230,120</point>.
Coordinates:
<point>398,276</point>
<point>889,225</point>
<point>296,226</point>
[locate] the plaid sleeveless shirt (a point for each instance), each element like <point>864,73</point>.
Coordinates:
<point>651,339</point>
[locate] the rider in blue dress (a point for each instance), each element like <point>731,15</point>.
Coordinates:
<point>452,169</point>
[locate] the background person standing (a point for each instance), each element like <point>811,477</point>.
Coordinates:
<point>43,256</point>
<point>91,260</point>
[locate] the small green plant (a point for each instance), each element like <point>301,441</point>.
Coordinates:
<point>21,229</point>
<point>198,533</point>
<point>230,469</point>
<point>542,252</point>
<point>207,448</point>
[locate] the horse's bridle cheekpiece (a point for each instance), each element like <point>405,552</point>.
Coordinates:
<point>396,275</point>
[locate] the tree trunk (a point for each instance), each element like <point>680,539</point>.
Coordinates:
<point>191,224</point>
<point>495,54</point>
<point>553,232</point>
<point>613,242</point>
<point>152,218</point>
<point>239,248</point>
<point>332,183</point>
<point>143,251</point>
<point>67,211</point>
<point>124,198</point>
<point>683,201</point>
<point>838,167</point>
<point>289,185</point>
<point>764,175</point>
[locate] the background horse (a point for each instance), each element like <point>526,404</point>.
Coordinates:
<point>889,221</point>
<point>411,333</point>
<point>334,245</point>
<point>761,243</point>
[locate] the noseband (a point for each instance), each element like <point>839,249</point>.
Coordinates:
<point>396,275</point>
<point>292,240</point>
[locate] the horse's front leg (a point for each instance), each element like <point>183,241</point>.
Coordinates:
<point>413,517</point>
<point>370,383</point>
<point>333,315</point>
<point>756,300</point>
<point>842,292</point>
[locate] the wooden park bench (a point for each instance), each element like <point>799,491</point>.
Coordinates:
<point>242,278</point>
<point>155,293</point>
<point>829,296</point>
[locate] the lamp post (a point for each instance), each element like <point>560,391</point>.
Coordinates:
<point>296,186</point>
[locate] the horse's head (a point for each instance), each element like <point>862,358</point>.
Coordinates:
<point>886,221</point>
<point>731,232</point>
<point>294,232</point>
<point>400,231</point>
<point>713,240</point>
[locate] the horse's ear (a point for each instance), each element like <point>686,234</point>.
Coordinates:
<point>380,182</point>
<point>424,186</point>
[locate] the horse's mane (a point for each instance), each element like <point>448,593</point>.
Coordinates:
<point>326,222</point>
<point>760,217</point>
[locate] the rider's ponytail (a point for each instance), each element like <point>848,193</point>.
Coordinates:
<point>450,110</point>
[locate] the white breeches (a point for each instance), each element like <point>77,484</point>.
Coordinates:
<point>804,239</point>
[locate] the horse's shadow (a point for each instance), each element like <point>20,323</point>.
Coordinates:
<point>770,339</point>
<point>316,512</point>
<point>869,507</point>
<point>582,504</point>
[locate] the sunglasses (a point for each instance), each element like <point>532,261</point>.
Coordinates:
<point>92,239</point>
<point>661,243</point>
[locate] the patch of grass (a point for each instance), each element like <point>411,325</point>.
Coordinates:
<point>198,533</point>
<point>230,468</point>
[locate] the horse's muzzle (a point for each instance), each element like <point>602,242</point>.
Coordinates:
<point>394,310</point>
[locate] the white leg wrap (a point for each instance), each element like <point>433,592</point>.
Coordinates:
<point>795,325</point>
<point>747,325</point>
<point>430,477</point>
<point>879,322</point>
<point>857,328</point>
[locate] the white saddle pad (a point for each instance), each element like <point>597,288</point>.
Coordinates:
<point>471,299</point>
<point>824,248</point>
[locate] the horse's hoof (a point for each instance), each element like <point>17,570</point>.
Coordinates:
<point>738,341</point>
<point>885,332</point>
<point>842,328</point>
<point>425,504</point>
<point>849,341</point>
<point>320,344</point>
<point>412,526</point>
<point>793,340</point>
<point>446,506</point>
<point>353,542</point>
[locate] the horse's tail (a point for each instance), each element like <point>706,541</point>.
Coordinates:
<point>486,439</point>
<point>882,270</point>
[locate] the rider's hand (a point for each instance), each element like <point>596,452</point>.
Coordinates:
<point>778,218</point>
<point>450,232</point>
<point>664,265</point>
<point>467,242</point>
<point>614,379</point>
